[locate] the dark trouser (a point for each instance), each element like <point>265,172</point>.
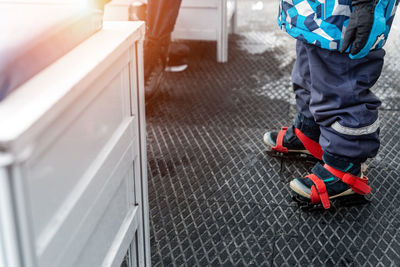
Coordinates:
<point>333,93</point>
<point>161,18</point>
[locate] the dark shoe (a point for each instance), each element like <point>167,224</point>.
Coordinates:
<point>292,144</point>
<point>300,139</point>
<point>153,82</point>
<point>327,183</point>
<point>292,141</point>
<point>153,56</point>
<point>154,64</point>
<point>177,57</point>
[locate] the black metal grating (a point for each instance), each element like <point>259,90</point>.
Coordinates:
<point>216,197</point>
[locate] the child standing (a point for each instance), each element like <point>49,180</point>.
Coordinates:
<point>339,58</point>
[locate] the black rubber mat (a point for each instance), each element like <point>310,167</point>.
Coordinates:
<point>217,198</point>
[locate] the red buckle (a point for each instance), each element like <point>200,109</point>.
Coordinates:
<point>320,193</point>
<point>315,199</point>
<point>279,141</point>
<point>313,147</point>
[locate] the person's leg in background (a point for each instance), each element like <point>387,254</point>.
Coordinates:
<point>160,21</point>
<point>161,18</point>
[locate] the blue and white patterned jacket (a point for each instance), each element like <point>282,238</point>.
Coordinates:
<point>323,22</point>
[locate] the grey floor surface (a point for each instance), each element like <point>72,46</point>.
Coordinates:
<point>217,198</point>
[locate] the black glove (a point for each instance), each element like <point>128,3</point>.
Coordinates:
<point>359,27</point>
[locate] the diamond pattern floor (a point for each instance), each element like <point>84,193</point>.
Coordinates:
<point>216,197</point>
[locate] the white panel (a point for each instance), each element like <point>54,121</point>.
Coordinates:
<point>196,24</point>
<point>63,164</point>
<point>117,10</point>
<point>9,254</point>
<point>142,177</point>
<point>123,239</point>
<point>101,239</point>
<point>202,3</point>
<point>207,20</point>
<point>133,257</point>
<point>33,108</point>
<point>63,242</point>
<point>76,178</point>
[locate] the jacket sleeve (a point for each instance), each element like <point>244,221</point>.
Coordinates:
<point>383,18</point>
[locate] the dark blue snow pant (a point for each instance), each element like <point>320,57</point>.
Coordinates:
<point>161,18</point>
<point>334,100</point>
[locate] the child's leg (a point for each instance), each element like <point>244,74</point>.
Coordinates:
<point>347,112</point>
<point>304,121</point>
<point>343,104</point>
<point>301,79</point>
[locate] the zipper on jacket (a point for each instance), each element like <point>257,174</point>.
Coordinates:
<point>324,9</point>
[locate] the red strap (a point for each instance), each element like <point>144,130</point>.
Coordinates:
<point>314,195</point>
<point>320,193</point>
<point>313,147</point>
<point>358,184</point>
<point>279,141</point>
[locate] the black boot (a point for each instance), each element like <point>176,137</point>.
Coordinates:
<point>155,58</point>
